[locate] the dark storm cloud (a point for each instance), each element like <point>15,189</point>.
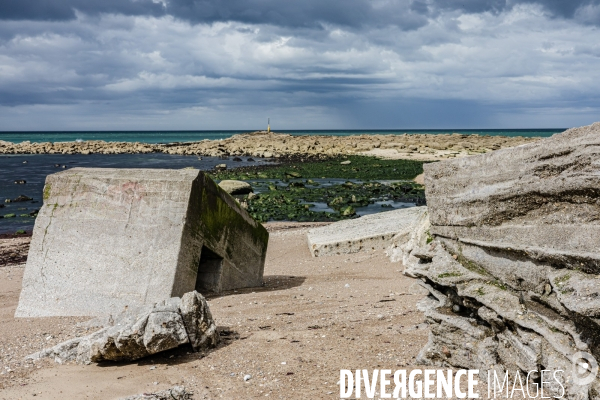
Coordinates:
<point>62,10</point>
<point>317,63</point>
<point>557,8</point>
<point>407,14</point>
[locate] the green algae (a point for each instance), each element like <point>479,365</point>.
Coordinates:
<point>361,167</point>
<point>449,275</point>
<point>562,279</point>
<point>47,189</point>
<point>293,203</point>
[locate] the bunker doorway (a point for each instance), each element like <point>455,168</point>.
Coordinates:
<point>209,271</point>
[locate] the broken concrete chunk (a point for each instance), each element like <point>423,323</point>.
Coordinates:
<point>174,393</point>
<point>164,331</point>
<point>199,324</point>
<point>150,330</point>
<point>163,233</point>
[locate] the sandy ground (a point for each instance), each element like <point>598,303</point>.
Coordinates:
<point>13,249</point>
<point>313,317</point>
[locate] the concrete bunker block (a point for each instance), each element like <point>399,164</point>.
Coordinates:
<point>106,239</point>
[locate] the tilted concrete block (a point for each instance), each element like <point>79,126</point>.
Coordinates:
<point>107,239</point>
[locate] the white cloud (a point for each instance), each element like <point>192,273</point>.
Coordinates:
<point>520,58</point>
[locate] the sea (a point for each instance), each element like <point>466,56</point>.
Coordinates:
<point>191,136</point>
<point>33,168</point>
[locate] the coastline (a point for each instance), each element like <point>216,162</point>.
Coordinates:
<point>423,147</point>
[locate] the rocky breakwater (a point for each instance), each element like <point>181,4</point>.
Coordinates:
<point>263,144</point>
<point>512,263</point>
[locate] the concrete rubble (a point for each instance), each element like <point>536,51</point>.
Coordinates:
<point>174,393</point>
<point>108,239</point>
<point>143,332</point>
<point>367,233</point>
<point>512,262</point>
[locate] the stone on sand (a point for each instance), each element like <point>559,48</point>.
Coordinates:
<point>135,334</point>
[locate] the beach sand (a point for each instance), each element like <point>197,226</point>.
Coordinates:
<point>292,336</point>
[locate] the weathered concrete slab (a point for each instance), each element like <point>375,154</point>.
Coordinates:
<point>514,260</point>
<point>366,233</point>
<point>106,239</point>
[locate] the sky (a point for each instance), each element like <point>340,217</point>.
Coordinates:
<point>306,64</point>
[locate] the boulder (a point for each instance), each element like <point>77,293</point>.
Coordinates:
<point>512,260</point>
<point>135,334</point>
<point>235,187</point>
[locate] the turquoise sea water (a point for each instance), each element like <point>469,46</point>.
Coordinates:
<point>191,136</point>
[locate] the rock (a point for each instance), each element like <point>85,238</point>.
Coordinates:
<point>512,249</point>
<point>135,334</point>
<point>174,393</point>
<point>413,236</point>
<point>221,167</point>
<point>20,182</point>
<point>363,234</point>
<point>293,174</point>
<point>200,326</point>
<point>164,331</point>
<point>347,211</point>
<point>169,232</point>
<point>276,145</point>
<point>347,162</point>
<point>235,187</point>
<point>237,159</point>
<point>22,198</point>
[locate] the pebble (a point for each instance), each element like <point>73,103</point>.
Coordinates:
<point>247,378</point>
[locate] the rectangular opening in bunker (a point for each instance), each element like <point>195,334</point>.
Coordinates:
<point>209,271</point>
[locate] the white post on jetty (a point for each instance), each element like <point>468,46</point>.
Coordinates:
<point>268,125</point>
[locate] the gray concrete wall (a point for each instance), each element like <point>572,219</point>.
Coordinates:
<point>106,239</point>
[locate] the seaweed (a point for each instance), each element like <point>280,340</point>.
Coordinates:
<point>360,167</point>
